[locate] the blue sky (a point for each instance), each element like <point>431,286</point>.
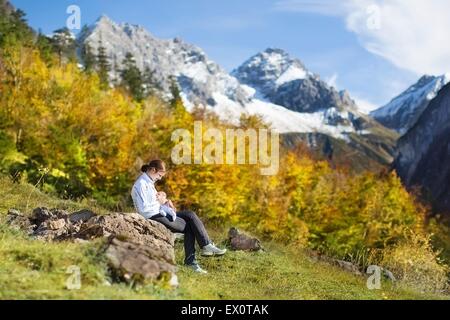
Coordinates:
<point>231,31</point>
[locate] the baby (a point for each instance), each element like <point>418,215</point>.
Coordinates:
<point>167,208</point>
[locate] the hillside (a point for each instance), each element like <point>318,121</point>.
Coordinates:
<point>31,269</point>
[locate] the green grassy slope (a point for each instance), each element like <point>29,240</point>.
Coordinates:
<point>36,270</point>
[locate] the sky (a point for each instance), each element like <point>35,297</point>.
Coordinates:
<point>375,49</point>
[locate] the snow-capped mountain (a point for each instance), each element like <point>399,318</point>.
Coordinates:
<point>403,111</point>
<point>423,152</point>
<point>199,77</point>
<point>269,70</point>
<point>271,84</point>
<point>283,80</point>
<point>204,82</point>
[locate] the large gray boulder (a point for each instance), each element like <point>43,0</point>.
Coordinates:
<point>135,263</point>
<point>137,250</point>
<point>131,227</point>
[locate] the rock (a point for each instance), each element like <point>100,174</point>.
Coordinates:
<point>137,249</point>
<point>345,265</point>
<point>18,221</point>
<point>138,263</point>
<point>56,224</point>
<point>43,214</point>
<point>348,266</point>
<point>130,227</point>
<point>81,216</point>
<point>40,215</point>
<point>53,230</point>
<point>51,224</point>
<point>59,214</point>
<point>388,274</point>
<point>239,241</point>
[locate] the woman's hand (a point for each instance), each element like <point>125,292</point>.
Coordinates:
<point>170,204</point>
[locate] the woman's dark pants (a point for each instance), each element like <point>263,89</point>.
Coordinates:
<point>188,223</point>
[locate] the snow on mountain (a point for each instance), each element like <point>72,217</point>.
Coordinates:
<point>270,69</point>
<point>283,80</point>
<point>422,153</point>
<point>271,84</point>
<point>403,111</point>
<point>198,76</point>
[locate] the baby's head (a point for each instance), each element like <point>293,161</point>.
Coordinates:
<point>161,197</point>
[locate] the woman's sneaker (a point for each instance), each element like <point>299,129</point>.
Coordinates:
<point>196,268</point>
<point>211,250</point>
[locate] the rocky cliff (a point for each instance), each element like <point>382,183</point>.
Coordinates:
<point>424,152</point>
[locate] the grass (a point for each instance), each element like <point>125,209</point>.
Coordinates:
<point>32,269</point>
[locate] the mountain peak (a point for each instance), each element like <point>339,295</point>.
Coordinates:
<point>272,50</point>
<point>404,110</point>
<point>277,57</point>
<point>104,19</point>
<point>270,69</point>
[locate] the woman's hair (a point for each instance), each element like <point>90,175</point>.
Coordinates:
<point>158,165</point>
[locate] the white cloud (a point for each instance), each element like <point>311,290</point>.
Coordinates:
<point>411,34</point>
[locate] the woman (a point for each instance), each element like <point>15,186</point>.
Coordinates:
<point>145,200</point>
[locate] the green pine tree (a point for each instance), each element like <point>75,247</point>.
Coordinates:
<point>152,86</point>
<point>64,45</point>
<point>13,26</point>
<point>45,47</point>
<point>132,78</point>
<point>175,92</point>
<point>88,58</point>
<point>103,65</point>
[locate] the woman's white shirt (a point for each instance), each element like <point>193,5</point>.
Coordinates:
<point>144,197</point>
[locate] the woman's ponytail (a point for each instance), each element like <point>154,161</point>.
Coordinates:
<point>158,165</point>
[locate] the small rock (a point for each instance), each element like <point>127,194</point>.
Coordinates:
<point>348,266</point>
<point>18,221</point>
<point>59,214</point>
<point>239,241</point>
<point>56,224</point>
<point>81,216</point>
<point>40,215</point>
<point>388,274</point>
